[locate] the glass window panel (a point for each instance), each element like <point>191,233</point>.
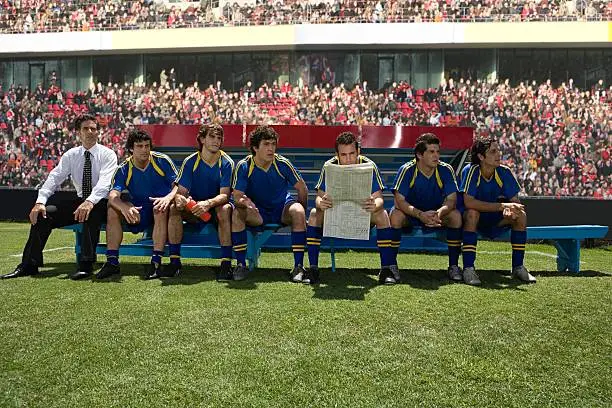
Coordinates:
<point>301,70</point>
<point>67,75</point>
<point>279,67</point>
<point>558,67</point>
<point>154,64</point>
<point>243,70</point>
<point>51,66</point>
<point>575,67</point>
<point>206,70</point>
<point>595,69</point>
<point>352,68</point>
<point>435,68</point>
<point>186,70</point>
<point>402,67</point>
<point>119,69</point>
<point>22,73</point>
<point>261,70</point>
<point>419,69</point>
<point>369,69</point>
<point>385,72</point>
<point>462,64</point>
<point>538,66</point>
<point>6,73</point>
<point>506,67</point>
<point>37,75</point>
<point>223,66</point>
<point>84,73</point>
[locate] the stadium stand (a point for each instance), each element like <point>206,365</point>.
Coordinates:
<point>38,16</point>
<point>555,138</point>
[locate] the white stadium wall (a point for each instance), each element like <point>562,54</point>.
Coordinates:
<point>425,35</point>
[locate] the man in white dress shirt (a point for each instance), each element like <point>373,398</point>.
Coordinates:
<point>90,168</point>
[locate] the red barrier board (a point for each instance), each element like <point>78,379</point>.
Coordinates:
<point>322,137</point>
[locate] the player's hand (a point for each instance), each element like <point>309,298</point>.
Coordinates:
<point>161,204</point>
<point>131,214</point>
<point>326,202</point>
<point>430,218</point>
<point>200,208</point>
<point>37,209</point>
<point>81,214</point>
<point>246,203</point>
<point>180,201</point>
<point>512,210</point>
<point>369,204</point>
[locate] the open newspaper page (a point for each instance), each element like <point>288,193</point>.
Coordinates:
<point>348,186</point>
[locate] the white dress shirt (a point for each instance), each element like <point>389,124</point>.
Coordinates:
<point>103,166</point>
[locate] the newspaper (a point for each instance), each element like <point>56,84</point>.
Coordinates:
<point>348,186</point>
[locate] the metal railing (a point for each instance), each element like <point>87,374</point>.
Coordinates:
<point>165,16</point>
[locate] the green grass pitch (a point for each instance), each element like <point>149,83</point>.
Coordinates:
<point>265,342</point>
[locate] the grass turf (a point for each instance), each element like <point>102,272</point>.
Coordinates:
<point>265,342</point>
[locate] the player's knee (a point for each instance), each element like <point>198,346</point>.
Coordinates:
<point>113,216</point>
<point>174,212</point>
<point>397,218</point>
<point>316,218</point>
<point>238,218</point>
<point>453,219</point>
<point>224,213</point>
<point>521,220</point>
<point>471,217</point>
<point>381,218</point>
<point>297,209</point>
<point>239,214</point>
<point>160,216</point>
<point>313,212</point>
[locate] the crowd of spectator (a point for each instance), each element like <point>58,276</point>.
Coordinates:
<point>556,138</point>
<point>29,16</point>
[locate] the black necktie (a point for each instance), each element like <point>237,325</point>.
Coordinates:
<point>87,175</point>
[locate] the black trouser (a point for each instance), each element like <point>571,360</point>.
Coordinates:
<point>63,216</point>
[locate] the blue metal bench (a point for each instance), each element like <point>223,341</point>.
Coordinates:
<point>566,238</point>
<point>197,243</point>
<point>203,243</point>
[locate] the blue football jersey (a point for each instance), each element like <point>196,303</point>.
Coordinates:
<point>269,188</point>
<point>156,180</point>
<point>502,185</point>
<point>202,180</point>
<point>425,193</point>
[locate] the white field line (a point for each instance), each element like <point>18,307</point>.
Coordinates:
<point>544,254</point>
<point>46,250</point>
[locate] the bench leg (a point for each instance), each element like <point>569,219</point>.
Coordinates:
<point>568,255</point>
<point>254,243</point>
<point>332,253</point>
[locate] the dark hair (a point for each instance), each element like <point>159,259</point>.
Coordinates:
<point>346,138</point>
<point>78,122</point>
<point>208,129</point>
<point>136,136</point>
<point>259,134</point>
<point>422,141</point>
<point>480,146</point>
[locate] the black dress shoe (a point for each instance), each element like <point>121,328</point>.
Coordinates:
<point>21,270</point>
<point>78,275</point>
<point>108,270</point>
